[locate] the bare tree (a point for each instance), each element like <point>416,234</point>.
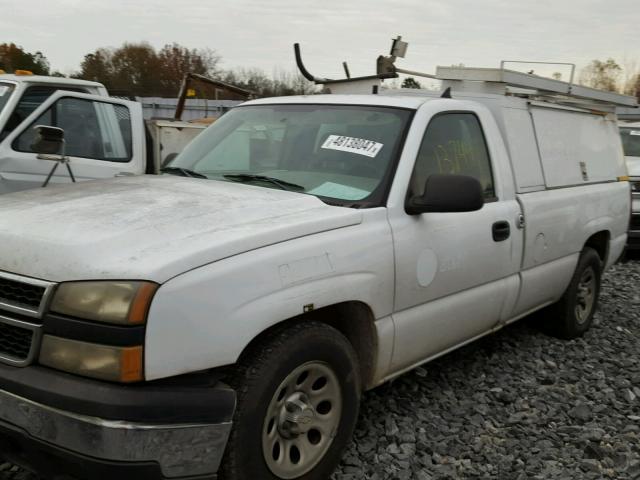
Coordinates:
<point>630,83</point>
<point>175,61</point>
<point>603,75</point>
<point>280,83</point>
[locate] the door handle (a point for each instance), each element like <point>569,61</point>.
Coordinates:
<point>501,231</point>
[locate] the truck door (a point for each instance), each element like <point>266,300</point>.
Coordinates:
<point>104,137</point>
<point>455,272</point>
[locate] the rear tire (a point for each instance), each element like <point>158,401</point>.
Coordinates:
<point>298,400</point>
<point>572,315</point>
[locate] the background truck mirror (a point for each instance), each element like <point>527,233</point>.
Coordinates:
<point>48,140</point>
<point>447,193</point>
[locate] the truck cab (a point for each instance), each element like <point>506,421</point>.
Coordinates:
<point>104,136</point>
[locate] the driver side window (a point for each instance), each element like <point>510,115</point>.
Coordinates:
<point>92,129</point>
<point>453,144</point>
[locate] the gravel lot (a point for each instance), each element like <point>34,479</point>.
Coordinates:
<point>514,405</point>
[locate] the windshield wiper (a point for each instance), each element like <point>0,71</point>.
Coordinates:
<point>248,177</point>
<point>185,172</point>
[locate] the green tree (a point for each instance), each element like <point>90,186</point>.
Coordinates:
<point>411,82</point>
<point>135,68</point>
<point>13,57</point>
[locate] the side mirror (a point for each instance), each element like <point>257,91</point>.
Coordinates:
<point>447,193</point>
<point>48,140</point>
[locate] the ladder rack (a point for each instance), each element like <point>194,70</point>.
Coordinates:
<point>501,81</point>
<point>466,78</point>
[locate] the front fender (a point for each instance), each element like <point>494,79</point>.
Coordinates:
<point>206,317</point>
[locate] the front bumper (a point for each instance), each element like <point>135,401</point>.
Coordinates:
<point>52,441</point>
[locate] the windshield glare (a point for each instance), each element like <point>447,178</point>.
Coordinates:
<point>631,141</point>
<point>331,151</point>
<point>6,89</point>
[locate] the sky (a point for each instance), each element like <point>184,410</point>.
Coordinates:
<point>260,33</point>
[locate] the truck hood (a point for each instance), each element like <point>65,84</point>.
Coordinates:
<point>150,227</point>
<point>633,166</point>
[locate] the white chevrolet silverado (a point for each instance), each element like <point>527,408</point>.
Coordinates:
<point>224,320</point>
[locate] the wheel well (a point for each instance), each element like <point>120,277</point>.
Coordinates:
<point>354,320</point>
<point>600,243</point>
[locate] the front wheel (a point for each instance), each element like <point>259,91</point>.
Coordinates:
<point>572,315</point>
<point>298,400</point>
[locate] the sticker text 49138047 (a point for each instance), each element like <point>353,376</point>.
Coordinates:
<point>360,146</point>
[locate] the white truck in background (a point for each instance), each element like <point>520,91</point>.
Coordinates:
<point>630,132</point>
<point>104,136</point>
<point>226,320</point>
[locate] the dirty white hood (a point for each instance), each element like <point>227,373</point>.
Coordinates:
<point>150,227</point>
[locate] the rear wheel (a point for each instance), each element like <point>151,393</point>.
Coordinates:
<point>298,399</point>
<point>572,315</point>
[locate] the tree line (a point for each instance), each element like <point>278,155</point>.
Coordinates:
<point>138,69</point>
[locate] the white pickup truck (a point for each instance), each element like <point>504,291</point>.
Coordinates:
<point>104,136</point>
<point>227,320</point>
<point>630,132</point>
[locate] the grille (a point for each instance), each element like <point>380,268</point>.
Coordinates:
<point>22,294</point>
<point>635,222</point>
<point>15,342</point>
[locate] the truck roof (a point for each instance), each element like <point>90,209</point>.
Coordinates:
<point>356,99</point>
<point>52,80</point>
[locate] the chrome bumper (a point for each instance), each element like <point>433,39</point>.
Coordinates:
<point>180,450</point>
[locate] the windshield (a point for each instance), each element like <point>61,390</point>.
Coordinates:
<point>6,89</point>
<point>338,152</point>
<point>631,141</point>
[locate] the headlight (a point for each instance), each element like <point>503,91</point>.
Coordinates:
<point>114,364</point>
<point>122,303</point>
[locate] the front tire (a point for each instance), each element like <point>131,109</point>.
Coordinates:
<point>572,315</point>
<point>298,400</point>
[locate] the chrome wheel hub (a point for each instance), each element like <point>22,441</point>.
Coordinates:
<point>302,420</point>
<point>296,416</point>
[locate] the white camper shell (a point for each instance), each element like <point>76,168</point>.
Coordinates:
<point>308,248</point>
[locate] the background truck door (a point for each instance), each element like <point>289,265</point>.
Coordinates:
<point>104,137</point>
<point>455,272</point>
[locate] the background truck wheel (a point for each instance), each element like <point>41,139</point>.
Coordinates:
<point>298,400</point>
<point>571,316</point>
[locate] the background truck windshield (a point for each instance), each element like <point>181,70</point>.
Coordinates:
<point>631,141</point>
<point>337,152</point>
<point>6,89</point>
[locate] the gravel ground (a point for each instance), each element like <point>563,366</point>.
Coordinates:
<point>515,405</point>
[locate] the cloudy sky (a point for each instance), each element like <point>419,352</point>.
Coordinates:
<point>260,33</point>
